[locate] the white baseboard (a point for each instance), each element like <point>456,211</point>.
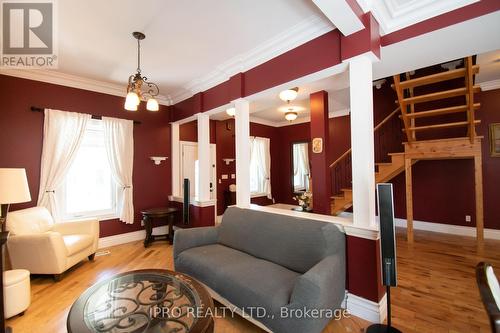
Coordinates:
<point>128,237</point>
<point>448,228</point>
<point>366,309</point>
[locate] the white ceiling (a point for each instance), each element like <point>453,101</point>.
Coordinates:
<point>270,109</point>
<point>393,15</point>
<point>489,70</point>
<point>185,40</point>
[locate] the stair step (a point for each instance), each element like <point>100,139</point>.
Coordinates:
<point>439,95</point>
<point>383,164</point>
<point>446,125</point>
<point>438,112</point>
<point>438,77</point>
<point>396,154</point>
<point>346,189</point>
<point>338,197</point>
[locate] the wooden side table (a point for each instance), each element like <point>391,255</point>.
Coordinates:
<point>149,215</point>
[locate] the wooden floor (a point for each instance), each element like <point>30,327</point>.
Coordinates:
<point>436,293</point>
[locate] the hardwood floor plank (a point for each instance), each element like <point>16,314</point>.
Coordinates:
<point>436,289</point>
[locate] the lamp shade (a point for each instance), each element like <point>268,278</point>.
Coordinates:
<point>13,186</point>
<point>152,105</point>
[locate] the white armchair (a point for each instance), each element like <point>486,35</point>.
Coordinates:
<point>41,246</point>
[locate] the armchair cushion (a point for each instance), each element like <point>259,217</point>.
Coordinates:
<point>33,220</point>
<point>76,243</point>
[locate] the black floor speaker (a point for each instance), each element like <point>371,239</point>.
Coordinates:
<point>387,252</point>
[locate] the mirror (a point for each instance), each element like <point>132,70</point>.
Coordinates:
<point>300,167</point>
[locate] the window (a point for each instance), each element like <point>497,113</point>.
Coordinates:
<point>89,189</point>
<point>260,167</point>
<point>300,167</point>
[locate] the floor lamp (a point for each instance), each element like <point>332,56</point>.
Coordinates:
<point>13,189</point>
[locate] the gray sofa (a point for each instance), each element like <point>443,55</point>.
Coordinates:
<point>275,262</point>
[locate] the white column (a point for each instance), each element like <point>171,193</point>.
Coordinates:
<point>176,157</point>
<point>203,157</point>
<point>242,133</point>
<point>362,143</point>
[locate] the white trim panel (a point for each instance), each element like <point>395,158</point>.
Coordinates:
<point>194,201</point>
<point>490,85</point>
<point>448,228</point>
<point>128,237</point>
<point>366,309</point>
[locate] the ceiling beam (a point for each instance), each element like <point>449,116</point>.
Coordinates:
<point>344,14</point>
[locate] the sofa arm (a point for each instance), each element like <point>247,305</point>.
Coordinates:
<point>188,238</point>
<point>323,286</point>
<point>43,253</point>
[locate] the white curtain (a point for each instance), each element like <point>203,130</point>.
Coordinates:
<point>119,141</point>
<point>62,135</point>
<point>261,153</point>
<point>304,158</point>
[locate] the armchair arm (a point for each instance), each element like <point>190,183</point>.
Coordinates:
<point>86,226</point>
<point>323,286</point>
<point>43,253</point>
<point>188,238</point>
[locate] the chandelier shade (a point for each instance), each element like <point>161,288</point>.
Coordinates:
<point>139,88</point>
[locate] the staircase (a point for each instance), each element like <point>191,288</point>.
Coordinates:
<point>411,113</point>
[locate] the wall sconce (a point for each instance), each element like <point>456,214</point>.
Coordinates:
<point>158,159</point>
<point>228,160</point>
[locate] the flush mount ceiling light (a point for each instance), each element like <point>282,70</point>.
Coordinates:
<point>289,94</point>
<point>138,86</point>
<point>291,115</point>
<point>231,112</point>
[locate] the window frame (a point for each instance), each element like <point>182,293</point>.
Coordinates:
<point>94,125</point>
<point>259,192</point>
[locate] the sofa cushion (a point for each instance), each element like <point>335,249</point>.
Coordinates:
<point>77,243</point>
<point>34,220</point>
<point>241,278</point>
<point>295,243</point>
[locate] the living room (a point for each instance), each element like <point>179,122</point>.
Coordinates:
<point>252,165</point>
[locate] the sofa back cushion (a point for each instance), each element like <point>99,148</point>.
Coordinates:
<point>33,220</point>
<point>295,243</point>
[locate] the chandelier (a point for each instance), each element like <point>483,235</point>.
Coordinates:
<point>138,86</point>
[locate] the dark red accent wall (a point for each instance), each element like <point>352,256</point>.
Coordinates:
<point>225,136</point>
<point>320,171</point>
<point>189,131</point>
<point>21,133</point>
<point>363,268</point>
<point>443,190</point>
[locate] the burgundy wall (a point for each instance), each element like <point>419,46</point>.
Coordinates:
<point>321,183</point>
<point>443,190</point>
<point>21,139</point>
<point>287,135</point>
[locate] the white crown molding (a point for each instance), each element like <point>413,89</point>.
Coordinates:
<point>74,81</point>
<point>490,85</point>
<point>393,16</point>
<point>302,32</point>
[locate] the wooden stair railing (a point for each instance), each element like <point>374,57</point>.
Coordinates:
<point>407,100</point>
<point>348,152</point>
<point>341,167</point>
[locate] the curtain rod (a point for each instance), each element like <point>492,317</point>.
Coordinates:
<point>36,109</point>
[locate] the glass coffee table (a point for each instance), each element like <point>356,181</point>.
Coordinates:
<point>152,301</point>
